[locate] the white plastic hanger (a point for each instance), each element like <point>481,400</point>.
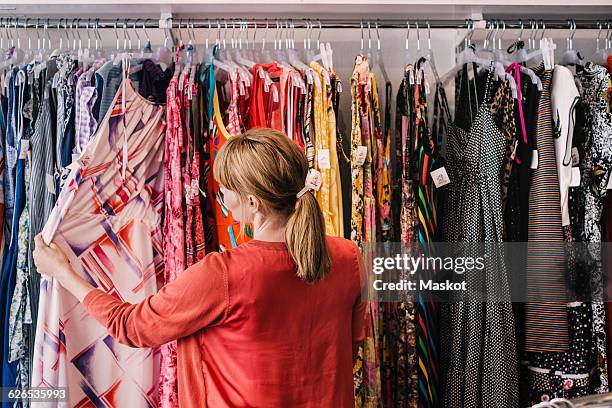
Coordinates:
<point>570,56</point>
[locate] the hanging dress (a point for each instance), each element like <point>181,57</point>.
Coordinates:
<point>478,352</point>
<point>107,221</point>
<point>226,230</point>
<point>596,169</point>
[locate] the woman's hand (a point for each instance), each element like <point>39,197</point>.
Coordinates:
<point>51,261</point>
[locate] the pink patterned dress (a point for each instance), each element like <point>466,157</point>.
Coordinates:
<point>107,221</point>
<point>174,229</point>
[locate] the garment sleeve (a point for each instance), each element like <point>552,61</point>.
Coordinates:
<point>197,299</point>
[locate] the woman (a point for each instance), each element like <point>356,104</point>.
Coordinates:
<point>270,323</point>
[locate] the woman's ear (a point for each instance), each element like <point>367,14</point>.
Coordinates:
<point>253,204</point>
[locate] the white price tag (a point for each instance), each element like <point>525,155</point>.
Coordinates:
<point>575,156</point>
<point>426,88</point>
<point>323,159</point>
<point>362,152</point>
<point>440,177</point>
<point>534,159</point>
<point>575,180</point>
<point>50,183</point>
<point>411,77</point>
<point>339,87</point>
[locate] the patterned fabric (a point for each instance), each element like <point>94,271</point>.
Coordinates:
<point>308,134</point>
<point>358,80</point>
<point>226,230</point>
<point>104,223</point>
<point>42,188</point>
<point>596,169</point>
<point>383,166</point>
<point>426,313</point>
<point>405,391</point>
<point>546,327</point>
<point>563,375</point>
<point>174,228</point>
<point>363,222</point>
<point>502,109</point>
<point>330,194</point>
<point>85,123</point>
<point>21,115</point>
<point>20,318</point>
<point>195,246</point>
<point>478,348</point>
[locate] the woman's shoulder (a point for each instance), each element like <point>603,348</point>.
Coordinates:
<point>342,248</point>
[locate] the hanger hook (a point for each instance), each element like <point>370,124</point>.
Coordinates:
<point>407,34</point>
<point>144,28</point>
<point>543,29</point>
<point>78,31</point>
<point>377,36</point>
<point>418,36</point>
<point>522,28</point>
<point>428,37</point>
<point>319,36</point>
<point>25,28</point>
<point>501,37</point>
<point>37,33</point>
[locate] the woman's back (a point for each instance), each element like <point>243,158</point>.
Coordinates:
<point>284,342</point>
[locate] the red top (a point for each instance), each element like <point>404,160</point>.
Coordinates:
<point>250,332</point>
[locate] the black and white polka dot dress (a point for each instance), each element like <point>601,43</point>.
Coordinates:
<point>478,346</point>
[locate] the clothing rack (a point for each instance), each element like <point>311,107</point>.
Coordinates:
<point>290,23</point>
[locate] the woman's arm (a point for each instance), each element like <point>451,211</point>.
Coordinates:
<point>198,298</point>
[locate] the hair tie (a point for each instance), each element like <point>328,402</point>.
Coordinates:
<point>313,182</point>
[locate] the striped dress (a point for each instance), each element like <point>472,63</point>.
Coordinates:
<point>546,327</point>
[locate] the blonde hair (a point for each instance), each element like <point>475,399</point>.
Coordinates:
<point>267,164</point>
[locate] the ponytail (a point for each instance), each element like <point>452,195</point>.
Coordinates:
<point>267,164</point>
<point>305,235</point>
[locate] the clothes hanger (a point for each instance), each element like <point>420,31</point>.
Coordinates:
<point>243,63</point>
<point>468,52</point>
<point>407,57</point>
<point>570,56</point>
<point>547,47</point>
<point>217,63</point>
<point>163,55</point>
<point>378,59</point>
<point>500,54</point>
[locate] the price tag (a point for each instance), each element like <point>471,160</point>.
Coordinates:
<point>411,77</point>
<point>426,88</point>
<point>440,177</point>
<point>534,159</point>
<point>50,183</point>
<point>575,180</point>
<point>323,159</point>
<point>575,156</point>
<point>362,152</point>
<point>339,87</point>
